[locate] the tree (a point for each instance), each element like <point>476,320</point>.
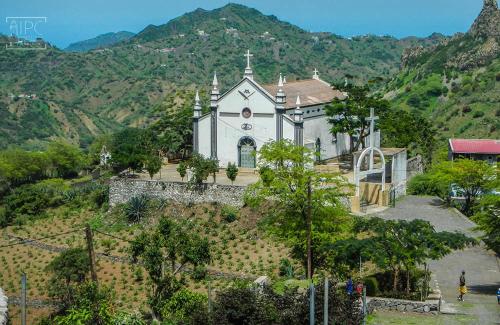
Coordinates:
<point>130,148</point>
<point>66,159</point>
<point>68,269</point>
<point>307,206</point>
<point>350,115</point>
<point>410,130</point>
<point>175,126</point>
<point>231,172</point>
<point>394,244</point>
<point>201,168</point>
<point>152,164</point>
<point>182,169</point>
<point>174,242</point>
<point>487,217</point>
<point>472,177</point>
<point>92,305</point>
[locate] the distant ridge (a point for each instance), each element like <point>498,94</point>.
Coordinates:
<point>100,41</point>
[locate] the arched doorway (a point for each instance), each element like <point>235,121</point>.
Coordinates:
<point>246,152</point>
<point>317,149</point>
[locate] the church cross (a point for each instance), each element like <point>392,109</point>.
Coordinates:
<point>248,55</point>
<point>315,71</point>
<point>372,120</point>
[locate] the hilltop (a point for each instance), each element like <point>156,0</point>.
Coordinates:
<point>81,95</point>
<point>456,83</point>
<point>100,41</point>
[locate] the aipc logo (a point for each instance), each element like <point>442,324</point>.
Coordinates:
<point>25,33</point>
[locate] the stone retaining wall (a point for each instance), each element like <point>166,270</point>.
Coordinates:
<point>402,305</point>
<point>4,301</point>
<point>122,189</point>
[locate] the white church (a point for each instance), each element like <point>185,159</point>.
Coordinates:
<point>249,114</point>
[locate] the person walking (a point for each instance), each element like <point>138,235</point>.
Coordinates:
<point>349,286</point>
<point>462,289</point>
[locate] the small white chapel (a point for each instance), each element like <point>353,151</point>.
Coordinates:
<point>248,115</point>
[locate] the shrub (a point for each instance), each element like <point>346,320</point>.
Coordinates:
<point>478,114</point>
<point>371,284</point>
<point>137,208</point>
<point>229,213</point>
<point>426,184</point>
<point>231,172</point>
<point>183,305</point>
<point>466,109</point>
<point>286,268</point>
<point>182,169</point>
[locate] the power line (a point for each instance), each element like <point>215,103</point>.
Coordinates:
<point>119,238</point>
<point>24,241</point>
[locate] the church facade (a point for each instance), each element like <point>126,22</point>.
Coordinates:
<point>249,114</point>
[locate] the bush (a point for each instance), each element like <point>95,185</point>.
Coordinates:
<point>427,184</point>
<point>478,114</point>
<point>183,305</point>
<point>286,268</point>
<point>229,214</point>
<point>137,208</point>
<point>34,199</point>
<point>371,284</point>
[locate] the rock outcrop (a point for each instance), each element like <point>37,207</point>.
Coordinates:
<point>476,48</point>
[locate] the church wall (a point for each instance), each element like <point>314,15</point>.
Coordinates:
<point>318,127</point>
<point>204,136</point>
<point>288,129</point>
<point>230,121</point>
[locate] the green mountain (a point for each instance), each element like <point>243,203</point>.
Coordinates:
<point>80,95</point>
<point>457,82</point>
<point>100,41</point>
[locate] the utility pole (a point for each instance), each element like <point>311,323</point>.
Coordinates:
<point>90,248</point>
<point>23,298</point>
<point>311,303</point>
<point>325,312</point>
<point>309,226</point>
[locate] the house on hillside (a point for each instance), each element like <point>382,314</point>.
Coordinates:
<point>476,149</point>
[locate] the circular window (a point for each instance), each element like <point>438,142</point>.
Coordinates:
<point>246,112</point>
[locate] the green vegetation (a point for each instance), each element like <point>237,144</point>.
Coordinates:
<point>303,212</point>
<point>201,168</point>
<point>232,172</point>
<point>469,178</point>
<point>175,243</point>
<point>486,216</point>
<point>351,115</point>
<point>396,245</point>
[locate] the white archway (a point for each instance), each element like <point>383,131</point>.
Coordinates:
<point>371,170</point>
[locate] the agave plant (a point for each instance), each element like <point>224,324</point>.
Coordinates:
<point>137,208</point>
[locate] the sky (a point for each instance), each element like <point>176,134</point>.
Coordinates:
<point>66,21</point>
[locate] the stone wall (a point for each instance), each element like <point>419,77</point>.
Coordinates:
<point>3,308</point>
<point>402,305</point>
<point>122,189</point>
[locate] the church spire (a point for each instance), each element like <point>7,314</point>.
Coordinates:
<point>215,83</point>
<point>248,69</point>
<point>197,105</point>
<point>298,114</point>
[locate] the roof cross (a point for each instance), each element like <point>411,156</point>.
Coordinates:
<point>248,55</point>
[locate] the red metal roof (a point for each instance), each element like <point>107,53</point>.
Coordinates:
<point>483,146</point>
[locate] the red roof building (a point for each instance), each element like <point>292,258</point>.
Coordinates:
<point>477,149</point>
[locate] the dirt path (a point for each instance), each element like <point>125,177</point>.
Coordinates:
<point>482,267</point>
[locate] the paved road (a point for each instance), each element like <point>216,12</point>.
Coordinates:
<point>482,267</point>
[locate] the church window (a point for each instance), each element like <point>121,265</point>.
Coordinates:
<point>246,112</point>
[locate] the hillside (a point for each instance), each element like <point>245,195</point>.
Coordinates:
<point>100,41</point>
<point>456,83</point>
<point>80,95</point>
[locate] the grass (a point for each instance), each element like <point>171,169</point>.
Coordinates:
<point>386,318</point>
